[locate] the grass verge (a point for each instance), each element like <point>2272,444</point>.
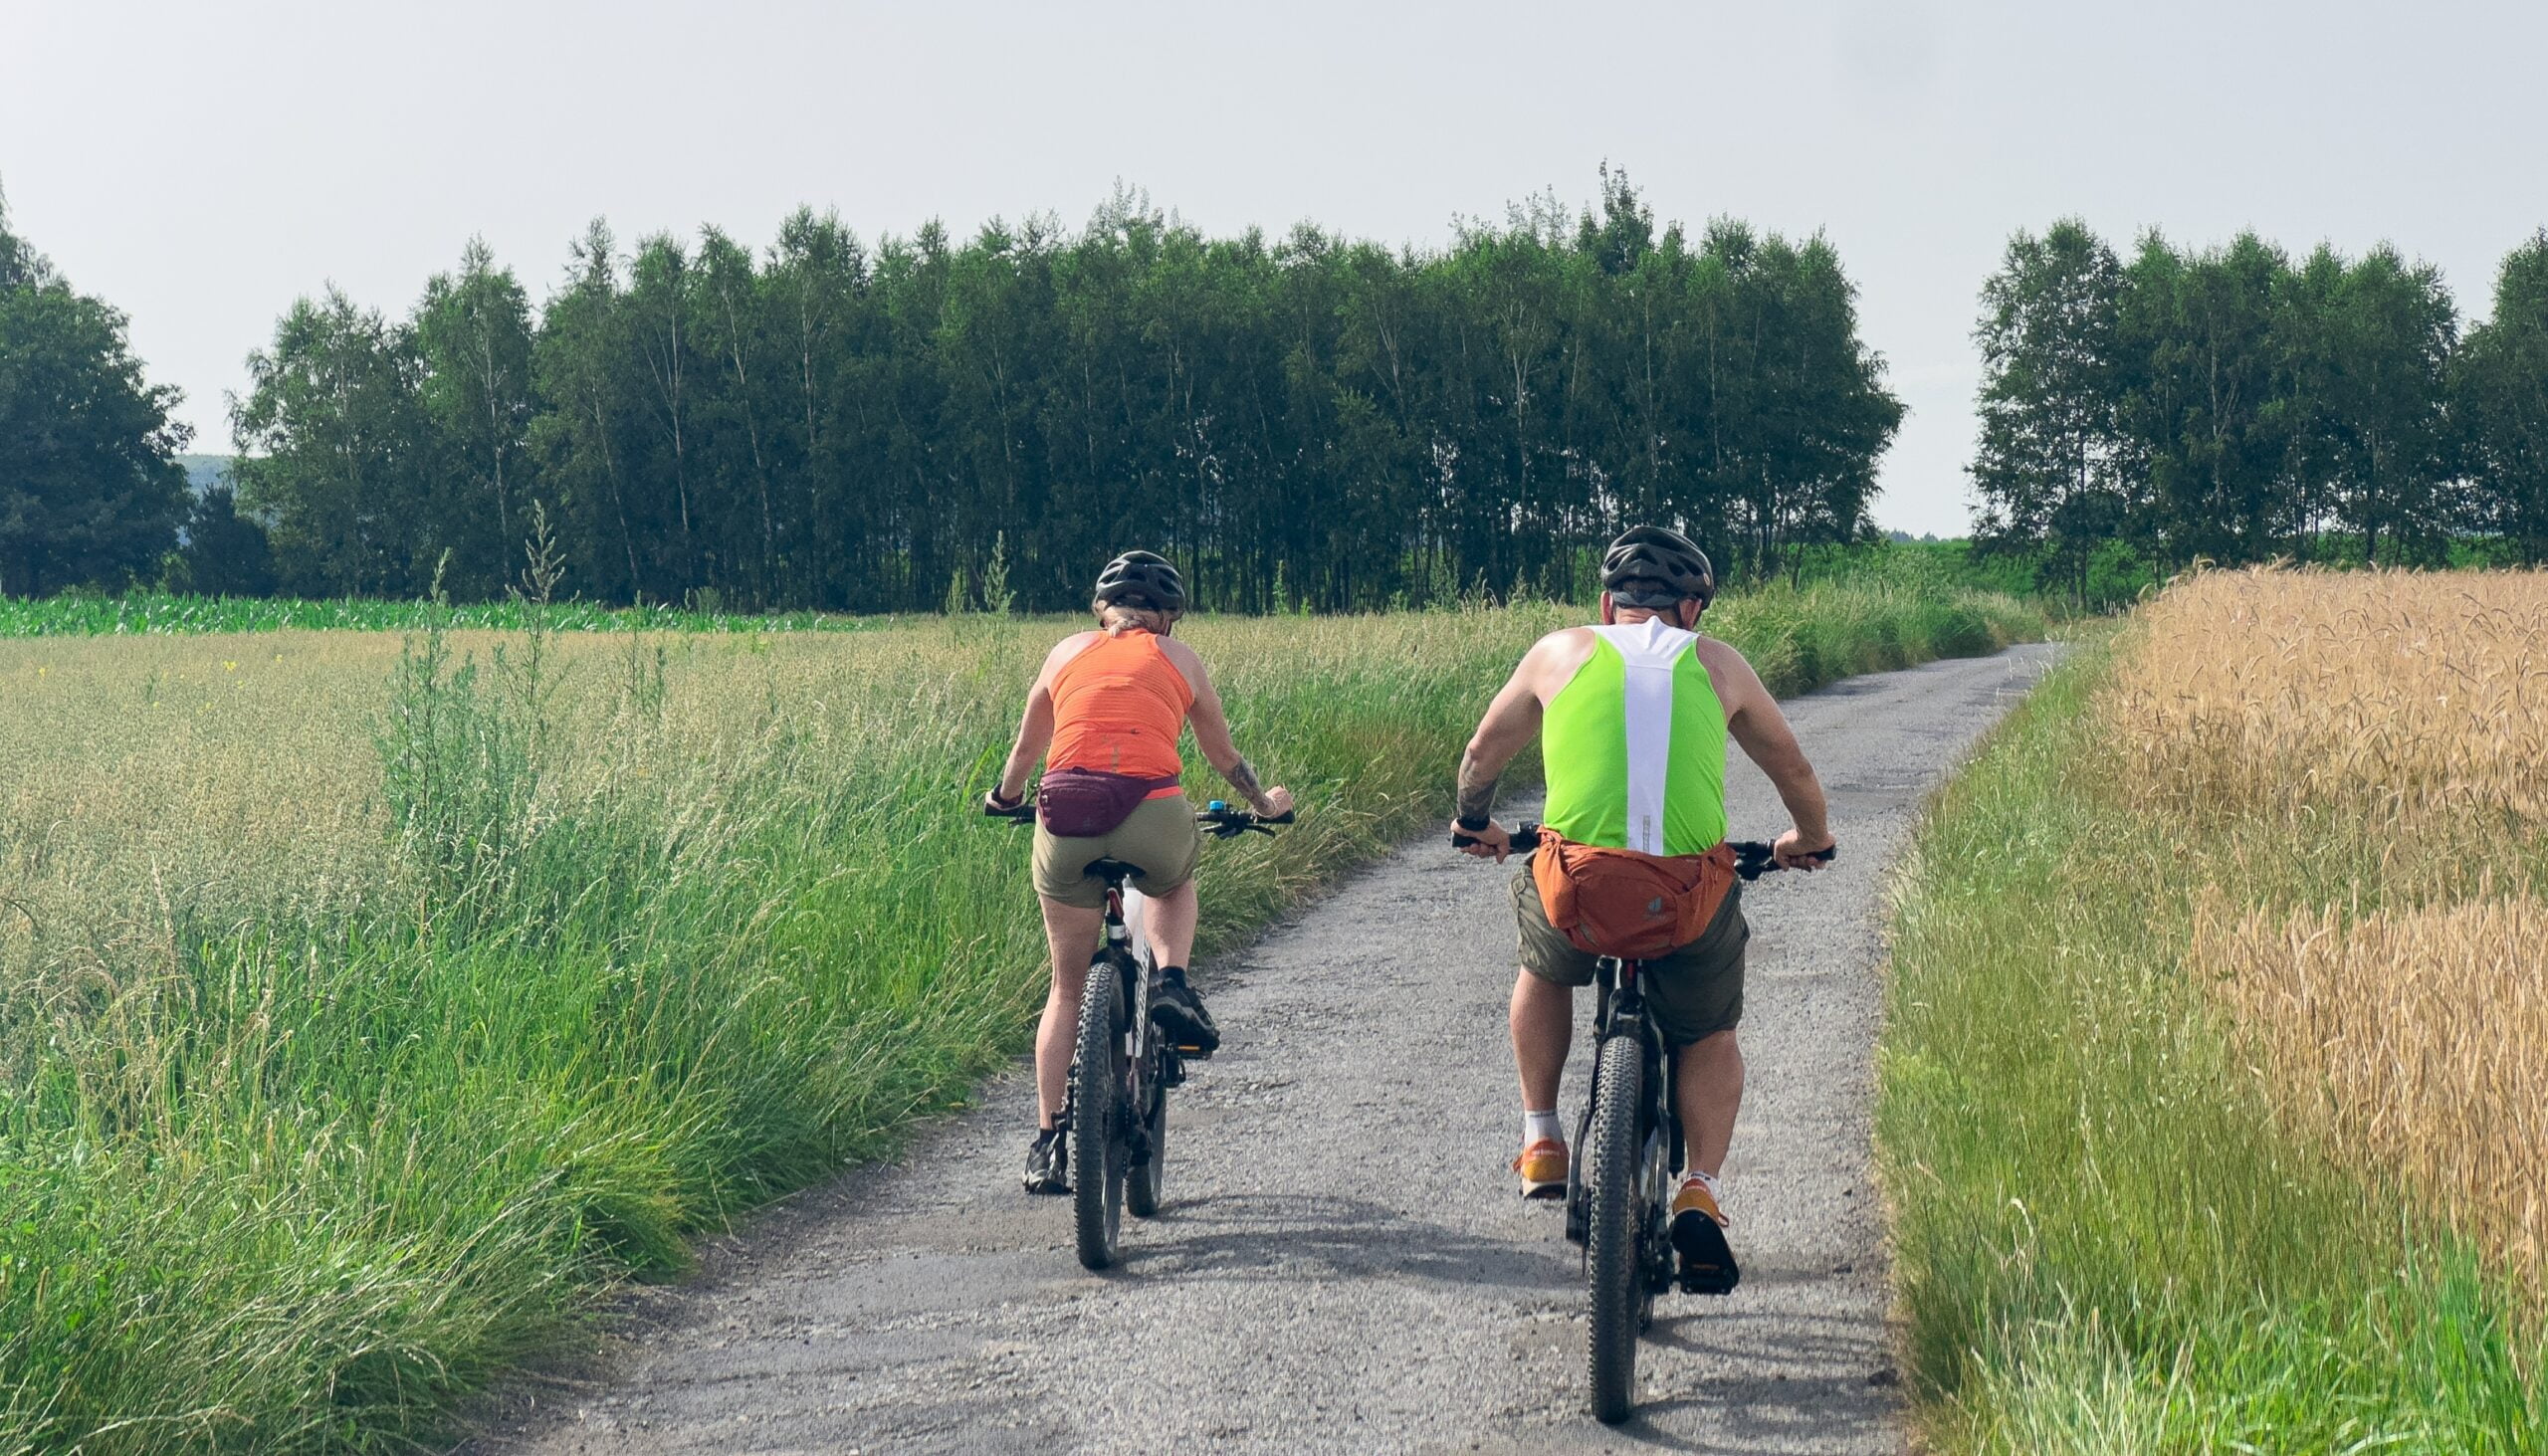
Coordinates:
<point>367,1005</point>
<point>2105,1241</point>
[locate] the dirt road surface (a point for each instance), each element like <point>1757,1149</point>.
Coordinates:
<point>1342,1264</point>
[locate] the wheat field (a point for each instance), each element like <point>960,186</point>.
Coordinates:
<point>2401,693</point>
<point>2216,1051</point>
<point>2394,993</point>
<point>2419,1037</point>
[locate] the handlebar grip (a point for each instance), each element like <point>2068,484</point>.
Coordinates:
<point>1522,840</point>
<point>1753,857</point>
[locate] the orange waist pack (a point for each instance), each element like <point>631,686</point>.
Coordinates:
<point>1616,902</point>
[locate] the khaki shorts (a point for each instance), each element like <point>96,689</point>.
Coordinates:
<point>1694,992</point>
<point>1160,839</point>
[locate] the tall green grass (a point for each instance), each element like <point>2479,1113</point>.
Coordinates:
<point>1799,637</point>
<point>159,613</point>
<point>2103,1241</point>
<point>665,927</point>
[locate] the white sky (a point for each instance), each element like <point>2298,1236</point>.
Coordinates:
<point>200,165</point>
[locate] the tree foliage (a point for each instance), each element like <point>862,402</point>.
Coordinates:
<point>2231,405</point>
<point>2502,383</point>
<point>91,491</point>
<point>1299,421</point>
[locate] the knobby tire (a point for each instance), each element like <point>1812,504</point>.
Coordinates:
<point>1098,1114</point>
<point>1613,1247</point>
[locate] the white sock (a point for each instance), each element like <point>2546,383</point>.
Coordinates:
<point>1708,1181</point>
<point>1541,1126</point>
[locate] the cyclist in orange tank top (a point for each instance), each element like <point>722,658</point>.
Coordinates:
<point>1105,715</point>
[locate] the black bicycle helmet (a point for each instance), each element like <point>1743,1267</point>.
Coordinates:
<point>1141,579</point>
<point>1651,567</point>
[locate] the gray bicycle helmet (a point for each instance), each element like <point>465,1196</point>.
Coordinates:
<point>1141,579</point>
<point>1651,567</point>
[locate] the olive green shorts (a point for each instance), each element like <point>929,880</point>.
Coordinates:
<point>1159,839</point>
<point>1695,990</point>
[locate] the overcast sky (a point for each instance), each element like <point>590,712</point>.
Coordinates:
<point>202,163</point>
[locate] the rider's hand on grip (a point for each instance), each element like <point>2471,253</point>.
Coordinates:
<point>1794,852</point>
<point>1489,843</point>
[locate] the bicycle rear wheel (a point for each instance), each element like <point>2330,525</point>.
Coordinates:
<point>1099,1116</point>
<point>1142,1186</point>
<point>1615,1226</point>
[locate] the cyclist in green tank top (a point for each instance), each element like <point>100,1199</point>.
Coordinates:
<point>1635,716</point>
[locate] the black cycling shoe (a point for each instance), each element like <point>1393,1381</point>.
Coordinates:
<point>1179,1013</point>
<point>1049,1165</point>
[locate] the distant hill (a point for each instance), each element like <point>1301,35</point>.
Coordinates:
<point>203,472</point>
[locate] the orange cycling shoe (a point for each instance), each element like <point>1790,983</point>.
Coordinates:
<point>1543,1169</point>
<point>1698,1232</point>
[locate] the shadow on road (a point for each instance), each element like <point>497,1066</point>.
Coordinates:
<point>1787,1380</point>
<point>1245,1238</point>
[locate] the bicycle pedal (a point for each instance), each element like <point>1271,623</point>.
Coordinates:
<point>1192,1054</point>
<point>1709,1281</point>
<point>1707,1260</point>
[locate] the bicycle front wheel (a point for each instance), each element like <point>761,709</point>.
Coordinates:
<point>1615,1242</point>
<point>1099,1090</point>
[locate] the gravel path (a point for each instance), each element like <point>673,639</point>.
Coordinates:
<point>1342,1265</point>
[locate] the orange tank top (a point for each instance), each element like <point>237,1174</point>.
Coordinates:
<point>1118,708</point>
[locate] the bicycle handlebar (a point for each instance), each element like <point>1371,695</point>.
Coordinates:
<point>1220,819</point>
<point>1752,858</point>
<point>1225,822</point>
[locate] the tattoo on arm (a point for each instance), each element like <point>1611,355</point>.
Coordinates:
<point>1477,792</point>
<point>1244,778</point>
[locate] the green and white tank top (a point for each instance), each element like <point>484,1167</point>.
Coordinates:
<point>1634,746</point>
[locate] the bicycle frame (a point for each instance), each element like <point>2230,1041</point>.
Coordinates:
<point>1623,1219</point>
<point>1114,1112</point>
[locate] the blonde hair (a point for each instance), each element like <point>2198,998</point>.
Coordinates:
<point>1116,616</point>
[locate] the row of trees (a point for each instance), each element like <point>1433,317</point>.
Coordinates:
<point>2236,405</point>
<point>91,489</point>
<point>1302,421</point>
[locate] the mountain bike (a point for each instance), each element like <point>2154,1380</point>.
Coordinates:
<point>1619,1193</point>
<point>1114,1114</point>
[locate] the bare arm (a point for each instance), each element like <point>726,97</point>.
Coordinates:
<point>1035,729</point>
<point>1034,736</point>
<point>1212,739</point>
<point>1511,720</point>
<point>1755,722</point>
